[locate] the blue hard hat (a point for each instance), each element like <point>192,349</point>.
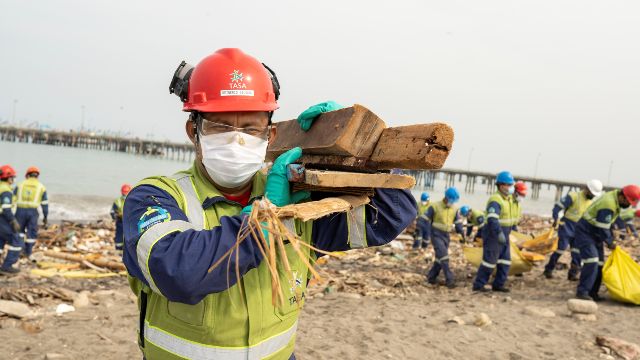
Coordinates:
<point>465,210</point>
<point>424,196</point>
<point>505,177</point>
<point>452,195</point>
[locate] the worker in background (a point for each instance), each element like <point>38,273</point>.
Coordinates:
<point>496,251</point>
<point>574,204</point>
<point>474,218</point>
<point>176,227</point>
<point>441,217</point>
<point>594,230</point>
<point>421,222</point>
<point>626,222</point>
<point>116,215</point>
<point>519,194</point>
<point>31,194</point>
<point>9,226</point>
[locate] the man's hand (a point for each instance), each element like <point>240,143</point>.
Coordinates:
<point>555,224</point>
<point>306,118</point>
<point>612,246</point>
<point>15,225</point>
<point>45,222</point>
<point>277,189</point>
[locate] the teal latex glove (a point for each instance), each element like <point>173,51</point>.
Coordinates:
<point>501,238</point>
<point>306,118</point>
<point>277,189</point>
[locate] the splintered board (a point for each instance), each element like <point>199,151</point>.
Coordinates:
<point>339,179</point>
<point>352,131</point>
<point>355,138</point>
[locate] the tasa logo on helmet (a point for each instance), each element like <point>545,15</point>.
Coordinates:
<point>237,85</point>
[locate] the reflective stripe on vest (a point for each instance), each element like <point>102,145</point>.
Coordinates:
<point>579,204</point>
<point>193,350</point>
<point>507,217</point>
<point>194,212</point>
<point>356,223</point>
<point>150,238</point>
<point>31,196</point>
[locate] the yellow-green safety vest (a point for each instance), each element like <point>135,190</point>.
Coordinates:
<point>422,209</point>
<point>475,215</point>
<point>443,216</point>
<point>119,205</point>
<point>5,187</point>
<point>607,201</point>
<point>579,204</point>
<point>235,323</point>
<point>508,215</point>
<point>29,194</point>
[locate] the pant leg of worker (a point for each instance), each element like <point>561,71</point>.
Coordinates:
<point>14,249</point>
<point>576,259</point>
<point>444,262</point>
<point>440,248</point>
<point>563,243</point>
<point>503,265</point>
<point>589,255</point>
<point>417,236</point>
<point>598,281</point>
<point>490,252</point>
<point>119,240</point>
<point>32,231</point>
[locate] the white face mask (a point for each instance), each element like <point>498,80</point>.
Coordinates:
<point>232,158</point>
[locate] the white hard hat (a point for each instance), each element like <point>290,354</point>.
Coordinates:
<point>595,186</point>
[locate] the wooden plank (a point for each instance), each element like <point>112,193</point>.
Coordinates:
<point>316,209</point>
<point>352,131</point>
<point>413,147</point>
<point>339,179</point>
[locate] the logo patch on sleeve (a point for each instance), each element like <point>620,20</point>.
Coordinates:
<point>6,200</point>
<point>154,215</point>
<point>492,210</point>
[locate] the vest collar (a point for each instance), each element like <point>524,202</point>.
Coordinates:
<point>211,195</point>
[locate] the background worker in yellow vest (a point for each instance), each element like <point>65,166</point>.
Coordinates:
<point>441,217</point>
<point>9,227</point>
<point>594,230</point>
<point>31,194</point>
<point>116,215</point>
<point>573,205</point>
<point>177,226</point>
<point>520,192</point>
<point>474,218</point>
<point>496,251</point>
<point>626,222</point>
<point>421,222</point>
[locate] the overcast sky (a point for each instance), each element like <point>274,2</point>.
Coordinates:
<point>515,79</point>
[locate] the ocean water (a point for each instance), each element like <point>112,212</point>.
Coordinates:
<point>82,184</point>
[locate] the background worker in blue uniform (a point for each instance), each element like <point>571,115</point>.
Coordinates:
<point>421,222</point>
<point>626,222</point>
<point>441,217</point>
<point>496,251</point>
<point>31,194</point>
<point>9,227</point>
<point>574,204</point>
<point>594,230</point>
<point>116,215</point>
<point>474,218</point>
<point>177,226</point>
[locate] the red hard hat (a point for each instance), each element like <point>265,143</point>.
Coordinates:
<point>521,188</point>
<point>7,172</point>
<point>230,80</point>
<point>637,214</point>
<point>632,193</point>
<point>124,190</point>
<point>32,169</point>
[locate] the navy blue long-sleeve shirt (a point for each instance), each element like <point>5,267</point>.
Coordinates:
<point>179,260</point>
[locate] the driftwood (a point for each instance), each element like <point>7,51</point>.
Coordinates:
<point>341,179</point>
<point>316,209</point>
<point>97,261</point>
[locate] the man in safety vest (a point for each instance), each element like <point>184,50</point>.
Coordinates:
<point>176,227</point>
<point>116,215</point>
<point>496,251</point>
<point>441,217</point>
<point>593,230</point>
<point>31,194</point>
<point>626,222</point>
<point>520,192</point>
<point>9,226</point>
<point>574,205</point>
<point>421,220</point>
<point>474,218</point>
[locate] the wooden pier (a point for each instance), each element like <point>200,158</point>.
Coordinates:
<point>426,180</point>
<point>87,140</point>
